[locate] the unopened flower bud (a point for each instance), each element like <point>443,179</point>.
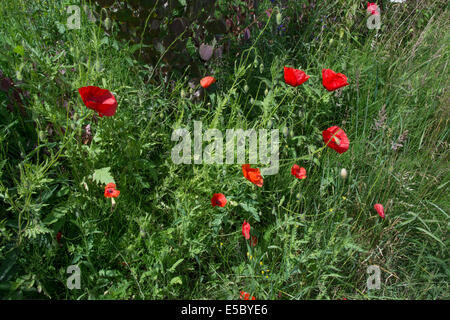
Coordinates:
<point>278,17</point>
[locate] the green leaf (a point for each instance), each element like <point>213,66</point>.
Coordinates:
<point>251,210</point>
<point>19,50</point>
<point>176,280</point>
<point>103,176</point>
<point>172,269</point>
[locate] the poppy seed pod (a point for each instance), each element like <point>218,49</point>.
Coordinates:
<point>343,173</point>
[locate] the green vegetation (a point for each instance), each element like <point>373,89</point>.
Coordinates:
<point>163,239</point>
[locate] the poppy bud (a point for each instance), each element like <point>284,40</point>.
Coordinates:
<point>285,131</point>
<point>107,23</point>
<point>278,18</point>
<point>182,93</point>
<point>252,101</point>
<point>261,68</point>
<point>246,88</point>
<point>343,173</point>
<point>266,92</point>
<point>255,63</point>
<point>270,123</point>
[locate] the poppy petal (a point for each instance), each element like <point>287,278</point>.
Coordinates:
<point>332,80</point>
<point>335,138</point>
<point>98,99</point>
<point>218,199</point>
<point>380,210</point>
<point>207,81</point>
<point>294,77</point>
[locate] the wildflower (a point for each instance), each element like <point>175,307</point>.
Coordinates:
<point>373,8</point>
<point>87,135</point>
<point>221,244</point>
<point>344,198</point>
<point>336,139</point>
<point>252,174</point>
<point>254,241</point>
<point>380,210</point>
<point>262,271</point>
<point>343,173</point>
<point>246,296</point>
<point>332,80</point>
<point>207,81</point>
<point>100,100</point>
<point>246,230</point>
<point>110,191</point>
<point>298,172</point>
<point>331,210</point>
<point>260,263</point>
<point>218,199</point>
<point>294,77</point>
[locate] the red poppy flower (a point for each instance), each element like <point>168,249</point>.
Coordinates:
<point>332,80</point>
<point>100,100</point>
<point>380,209</point>
<point>246,230</point>
<point>207,81</point>
<point>252,174</point>
<point>294,77</point>
<point>110,191</point>
<point>298,172</point>
<point>58,237</point>
<point>372,8</point>
<point>218,199</point>
<point>254,241</point>
<point>245,295</point>
<point>335,138</point>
